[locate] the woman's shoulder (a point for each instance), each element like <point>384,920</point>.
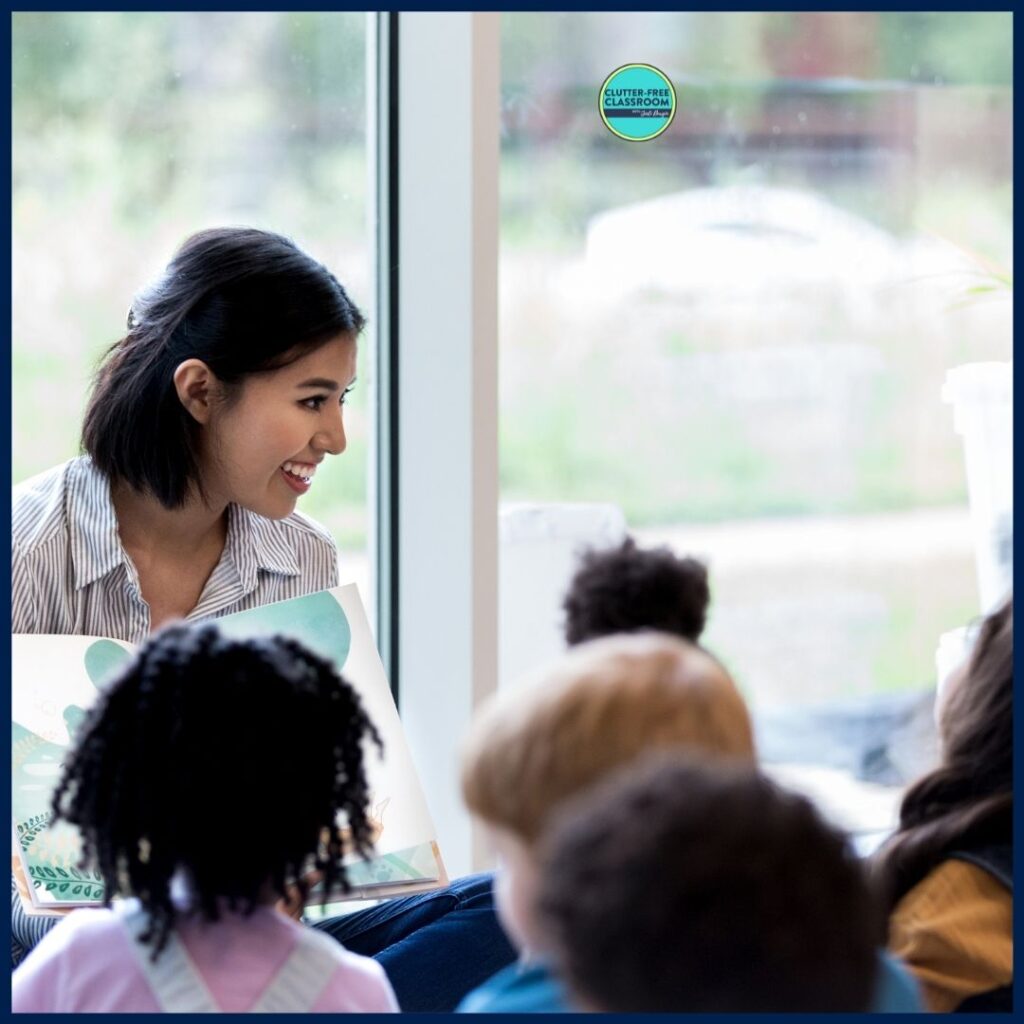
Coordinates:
<point>293,540</point>
<point>39,505</point>
<point>296,551</point>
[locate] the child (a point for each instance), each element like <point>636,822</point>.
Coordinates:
<point>681,887</point>
<point>947,872</point>
<point>626,589</point>
<point>602,706</point>
<point>203,783</point>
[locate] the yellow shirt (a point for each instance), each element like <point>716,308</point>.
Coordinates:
<point>954,931</point>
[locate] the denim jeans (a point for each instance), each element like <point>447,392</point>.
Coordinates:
<point>435,947</point>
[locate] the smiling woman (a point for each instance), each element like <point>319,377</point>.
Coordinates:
<point>205,424</point>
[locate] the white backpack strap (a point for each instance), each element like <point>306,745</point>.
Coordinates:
<point>303,976</point>
<point>174,978</point>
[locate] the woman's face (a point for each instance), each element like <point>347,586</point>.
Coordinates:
<point>263,449</point>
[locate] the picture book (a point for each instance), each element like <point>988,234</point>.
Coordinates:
<point>55,679</point>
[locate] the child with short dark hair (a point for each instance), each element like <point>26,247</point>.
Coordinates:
<point>209,776</point>
<point>677,886</point>
<point>627,589</point>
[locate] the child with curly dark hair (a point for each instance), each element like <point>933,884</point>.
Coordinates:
<point>205,782</point>
<point>627,589</point>
<point>653,899</point>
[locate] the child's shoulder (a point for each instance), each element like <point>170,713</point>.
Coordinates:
<point>85,925</point>
<point>518,988</point>
<point>358,983</point>
<point>73,967</point>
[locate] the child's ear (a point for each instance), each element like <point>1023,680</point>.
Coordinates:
<point>195,384</point>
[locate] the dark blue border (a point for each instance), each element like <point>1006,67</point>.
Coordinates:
<point>5,368</point>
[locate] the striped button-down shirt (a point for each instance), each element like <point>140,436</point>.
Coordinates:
<point>71,574</point>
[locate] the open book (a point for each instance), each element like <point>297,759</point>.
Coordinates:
<point>56,678</point>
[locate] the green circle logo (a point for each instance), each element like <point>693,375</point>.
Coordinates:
<point>637,102</point>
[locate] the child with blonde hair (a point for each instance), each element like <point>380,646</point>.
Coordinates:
<point>602,706</point>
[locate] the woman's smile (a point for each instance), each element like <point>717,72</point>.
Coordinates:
<point>299,475</point>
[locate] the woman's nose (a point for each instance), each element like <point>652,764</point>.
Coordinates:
<point>332,438</point>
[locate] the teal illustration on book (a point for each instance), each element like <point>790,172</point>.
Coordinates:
<point>52,854</point>
<point>316,620</point>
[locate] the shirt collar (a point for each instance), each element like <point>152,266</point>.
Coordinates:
<point>253,543</point>
<point>92,525</point>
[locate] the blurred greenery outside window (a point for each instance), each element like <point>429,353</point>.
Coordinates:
<point>739,331</point>
<point>131,130</point>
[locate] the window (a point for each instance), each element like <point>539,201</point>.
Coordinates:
<point>739,332</point>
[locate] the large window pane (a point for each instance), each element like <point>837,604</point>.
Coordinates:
<point>739,332</point>
<point>132,130</point>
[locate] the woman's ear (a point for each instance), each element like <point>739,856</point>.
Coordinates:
<point>196,386</point>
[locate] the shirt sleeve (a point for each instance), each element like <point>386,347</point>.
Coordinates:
<point>23,599</point>
<point>954,931</point>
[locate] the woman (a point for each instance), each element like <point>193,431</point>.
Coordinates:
<point>206,423</point>
<point>948,871</point>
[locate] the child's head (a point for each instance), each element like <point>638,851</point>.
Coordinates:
<point>228,761</point>
<point>600,706</point>
<point>686,887</point>
<point>626,589</point>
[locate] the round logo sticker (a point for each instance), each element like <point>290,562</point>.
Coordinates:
<point>637,102</point>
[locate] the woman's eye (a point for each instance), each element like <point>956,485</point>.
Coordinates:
<point>315,403</point>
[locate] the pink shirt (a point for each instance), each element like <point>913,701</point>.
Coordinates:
<point>89,963</point>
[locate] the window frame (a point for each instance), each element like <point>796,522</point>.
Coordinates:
<point>436,477</point>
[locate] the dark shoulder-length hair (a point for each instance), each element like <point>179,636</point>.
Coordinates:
<point>968,799</point>
<point>241,300</point>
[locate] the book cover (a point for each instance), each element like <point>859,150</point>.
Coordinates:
<point>55,679</point>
